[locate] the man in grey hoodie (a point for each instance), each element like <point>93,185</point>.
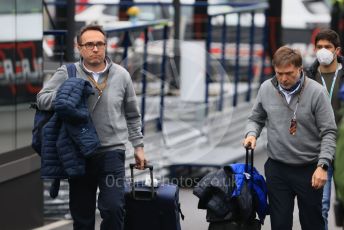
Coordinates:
<point>301,137</point>
<point>117,119</point>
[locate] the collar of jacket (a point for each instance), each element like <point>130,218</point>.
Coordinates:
<point>313,69</point>
<point>275,83</point>
<point>107,59</point>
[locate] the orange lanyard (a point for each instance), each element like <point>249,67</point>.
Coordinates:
<point>100,87</point>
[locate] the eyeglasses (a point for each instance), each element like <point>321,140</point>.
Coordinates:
<point>91,45</point>
<point>293,125</point>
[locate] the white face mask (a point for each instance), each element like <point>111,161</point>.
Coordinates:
<point>324,56</point>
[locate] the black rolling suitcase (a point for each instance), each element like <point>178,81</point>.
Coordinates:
<point>151,208</point>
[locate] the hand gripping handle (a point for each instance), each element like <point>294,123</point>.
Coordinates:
<point>150,167</point>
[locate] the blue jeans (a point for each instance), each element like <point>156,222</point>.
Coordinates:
<point>106,172</point>
<point>326,200</point>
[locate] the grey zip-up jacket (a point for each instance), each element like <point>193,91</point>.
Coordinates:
<point>115,114</point>
<point>315,138</point>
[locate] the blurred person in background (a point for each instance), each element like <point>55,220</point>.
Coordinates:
<point>328,71</point>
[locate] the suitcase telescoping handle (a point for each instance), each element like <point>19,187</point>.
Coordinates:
<point>150,167</point>
<point>247,163</point>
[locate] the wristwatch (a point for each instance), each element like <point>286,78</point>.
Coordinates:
<point>323,166</point>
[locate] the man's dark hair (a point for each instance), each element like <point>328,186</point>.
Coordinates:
<point>285,56</point>
<point>87,28</point>
<point>329,35</point>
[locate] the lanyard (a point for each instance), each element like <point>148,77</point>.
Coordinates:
<point>100,87</point>
<point>333,82</point>
<point>298,99</point>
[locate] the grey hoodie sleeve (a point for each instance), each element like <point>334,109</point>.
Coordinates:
<point>256,121</point>
<point>46,96</point>
<point>132,115</point>
<point>326,124</point>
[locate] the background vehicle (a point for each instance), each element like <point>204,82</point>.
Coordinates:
<point>301,17</point>
<point>103,14</point>
<point>296,14</point>
<point>149,10</point>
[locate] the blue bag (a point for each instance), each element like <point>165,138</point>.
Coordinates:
<point>42,117</point>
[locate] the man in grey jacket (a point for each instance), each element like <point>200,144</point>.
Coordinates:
<point>301,133</point>
<point>116,117</point>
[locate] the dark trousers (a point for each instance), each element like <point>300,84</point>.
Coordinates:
<point>106,172</point>
<point>284,182</point>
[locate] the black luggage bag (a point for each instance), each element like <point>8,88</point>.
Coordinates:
<point>151,208</point>
<point>238,220</point>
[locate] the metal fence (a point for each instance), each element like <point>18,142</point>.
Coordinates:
<point>238,40</point>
